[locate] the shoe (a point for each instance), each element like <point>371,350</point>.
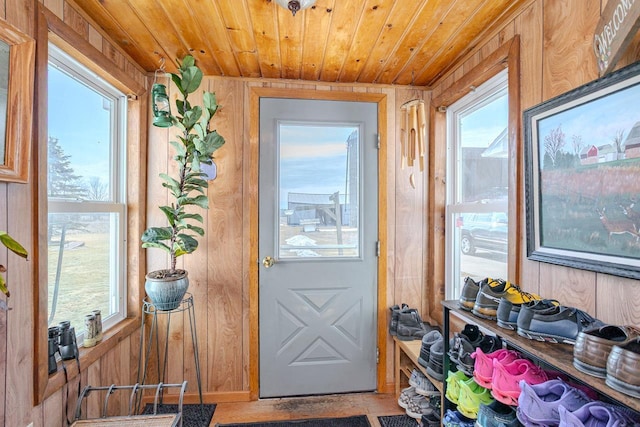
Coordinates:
<point>486,304</point>
<point>431,419</point>
<point>466,362</point>
<point>623,368</point>
<point>596,414</point>
<point>422,385</point>
<point>483,364</point>
<point>471,334</point>
<point>436,360</point>
<point>418,406</point>
<point>410,325</point>
<point>405,396</point>
<point>496,414</point>
<point>508,312</point>
<point>395,314</point>
<point>558,324</point>
<point>468,295</point>
<point>456,419</point>
<point>506,379</point>
<point>593,346</point>
<point>453,386</point>
<point>471,396</point>
<point>538,404</point>
<point>427,341</point>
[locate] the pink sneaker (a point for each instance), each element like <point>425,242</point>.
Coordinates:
<point>506,379</point>
<point>483,365</point>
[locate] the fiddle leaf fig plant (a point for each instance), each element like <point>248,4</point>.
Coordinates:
<point>15,247</point>
<point>196,142</point>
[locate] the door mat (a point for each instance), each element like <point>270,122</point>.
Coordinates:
<point>356,421</point>
<point>192,415</point>
<point>397,421</point>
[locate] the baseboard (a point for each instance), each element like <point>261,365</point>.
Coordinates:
<point>211,397</point>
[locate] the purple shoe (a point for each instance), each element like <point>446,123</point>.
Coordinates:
<point>538,404</point>
<point>595,414</point>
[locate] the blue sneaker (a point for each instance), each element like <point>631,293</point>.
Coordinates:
<point>456,419</point>
<point>497,414</point>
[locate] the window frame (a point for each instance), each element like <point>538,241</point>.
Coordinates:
<point>134,84</point>
<point>496,87</point>
<point>117,200</point>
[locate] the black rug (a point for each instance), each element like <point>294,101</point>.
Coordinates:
<point>397,421</point>
<point>192,416</point>
<point>357,421</point>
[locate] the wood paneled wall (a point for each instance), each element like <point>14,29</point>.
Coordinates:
<point>556,56</point>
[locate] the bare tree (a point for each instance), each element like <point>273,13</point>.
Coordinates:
<point>553,144</point>
<point>576,144</point>
<point>97,189</point>
<point>617,141</point>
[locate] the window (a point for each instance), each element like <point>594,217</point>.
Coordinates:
<point>86,194</point>
<point>477,185</point>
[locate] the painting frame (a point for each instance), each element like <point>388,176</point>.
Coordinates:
<point>580,201</point>
<point>16,142</point>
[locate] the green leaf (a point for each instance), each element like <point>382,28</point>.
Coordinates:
<point>156,234</point>
<point>191,117</point>
<point>201,201</point>
<point>181,150</point>
<point>177,81</point>
<point>196,229</point>
<point>170,213</point>
<point>194,216</point>
<point>156,245</point>
<point>187,61</point>
<point>210,103</point>
<point>180,106</point>
<point>191,79</point>
<point>214,141</point>
<point>12,245</point>
<point>187,243</point>
<point>3,287</point>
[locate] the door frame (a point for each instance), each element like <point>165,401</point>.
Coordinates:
<point>253,156</point>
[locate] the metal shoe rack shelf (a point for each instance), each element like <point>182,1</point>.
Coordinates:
<point>556,356</point>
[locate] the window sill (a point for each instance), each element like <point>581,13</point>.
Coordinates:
<point>88,356</point>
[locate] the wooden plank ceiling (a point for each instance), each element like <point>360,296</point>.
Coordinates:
<point>404,42</point>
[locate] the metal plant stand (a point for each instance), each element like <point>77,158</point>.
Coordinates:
<point>149,309</point>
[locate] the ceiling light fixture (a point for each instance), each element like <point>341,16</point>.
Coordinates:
<point>296,5</point>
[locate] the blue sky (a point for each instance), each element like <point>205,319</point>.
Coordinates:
<point>313,159</point>
<point>597,122</point>
<point>481,127</point>
<point>81,124</point>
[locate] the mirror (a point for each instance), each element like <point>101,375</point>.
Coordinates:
<point>17,61</point>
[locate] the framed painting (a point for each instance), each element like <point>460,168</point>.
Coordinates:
<point>17,68</point>
<point>582,176</point>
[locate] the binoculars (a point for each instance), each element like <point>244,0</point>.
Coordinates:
<point>62,339</point>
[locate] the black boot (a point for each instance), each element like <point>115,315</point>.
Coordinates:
<point>395,314</point>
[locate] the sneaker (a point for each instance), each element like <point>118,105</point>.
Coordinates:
<point>468,295</point>
<point>453,385</point>
<point>558,324</point>
<point>456,419</point>
<point>483,365</point>
<point>623,368</point>
<point>432,419</point>
<point>405,396</point>
<point>486,304</point>
<point>496,414</point>
<point>471,396</point>
<point>595,414</point>
<point>427,341</point>
<point>471,334</point>
<point>593,346</point>
<point>436,360</point>
<point>466,362</point>
<point>538,404</point>
<point>423,386</point>
<point>508,312</point>
<point>506,379</point>
<point>418,406</point>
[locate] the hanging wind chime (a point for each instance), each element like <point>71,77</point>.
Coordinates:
<point>413,137</point>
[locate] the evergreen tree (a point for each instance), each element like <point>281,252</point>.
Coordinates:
<point>62,180</point>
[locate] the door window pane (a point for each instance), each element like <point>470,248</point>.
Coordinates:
<point>318,191</point>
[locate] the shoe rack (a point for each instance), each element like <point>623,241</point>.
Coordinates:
<point>406,360</point>
<point>556,356</point>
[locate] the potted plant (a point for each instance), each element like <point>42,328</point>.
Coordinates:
<point>195,146</point>
<point>17,249</point>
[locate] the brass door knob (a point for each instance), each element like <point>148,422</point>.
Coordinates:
<point>268,261</point>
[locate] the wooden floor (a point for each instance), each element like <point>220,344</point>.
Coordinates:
<point>336,405</point>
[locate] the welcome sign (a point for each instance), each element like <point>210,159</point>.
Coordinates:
<point>615,30</point>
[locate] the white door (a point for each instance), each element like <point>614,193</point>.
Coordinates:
<point>318,246</point>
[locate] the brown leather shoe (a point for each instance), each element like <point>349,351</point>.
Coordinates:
<point>593,346</point>
<point>623,368</point>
